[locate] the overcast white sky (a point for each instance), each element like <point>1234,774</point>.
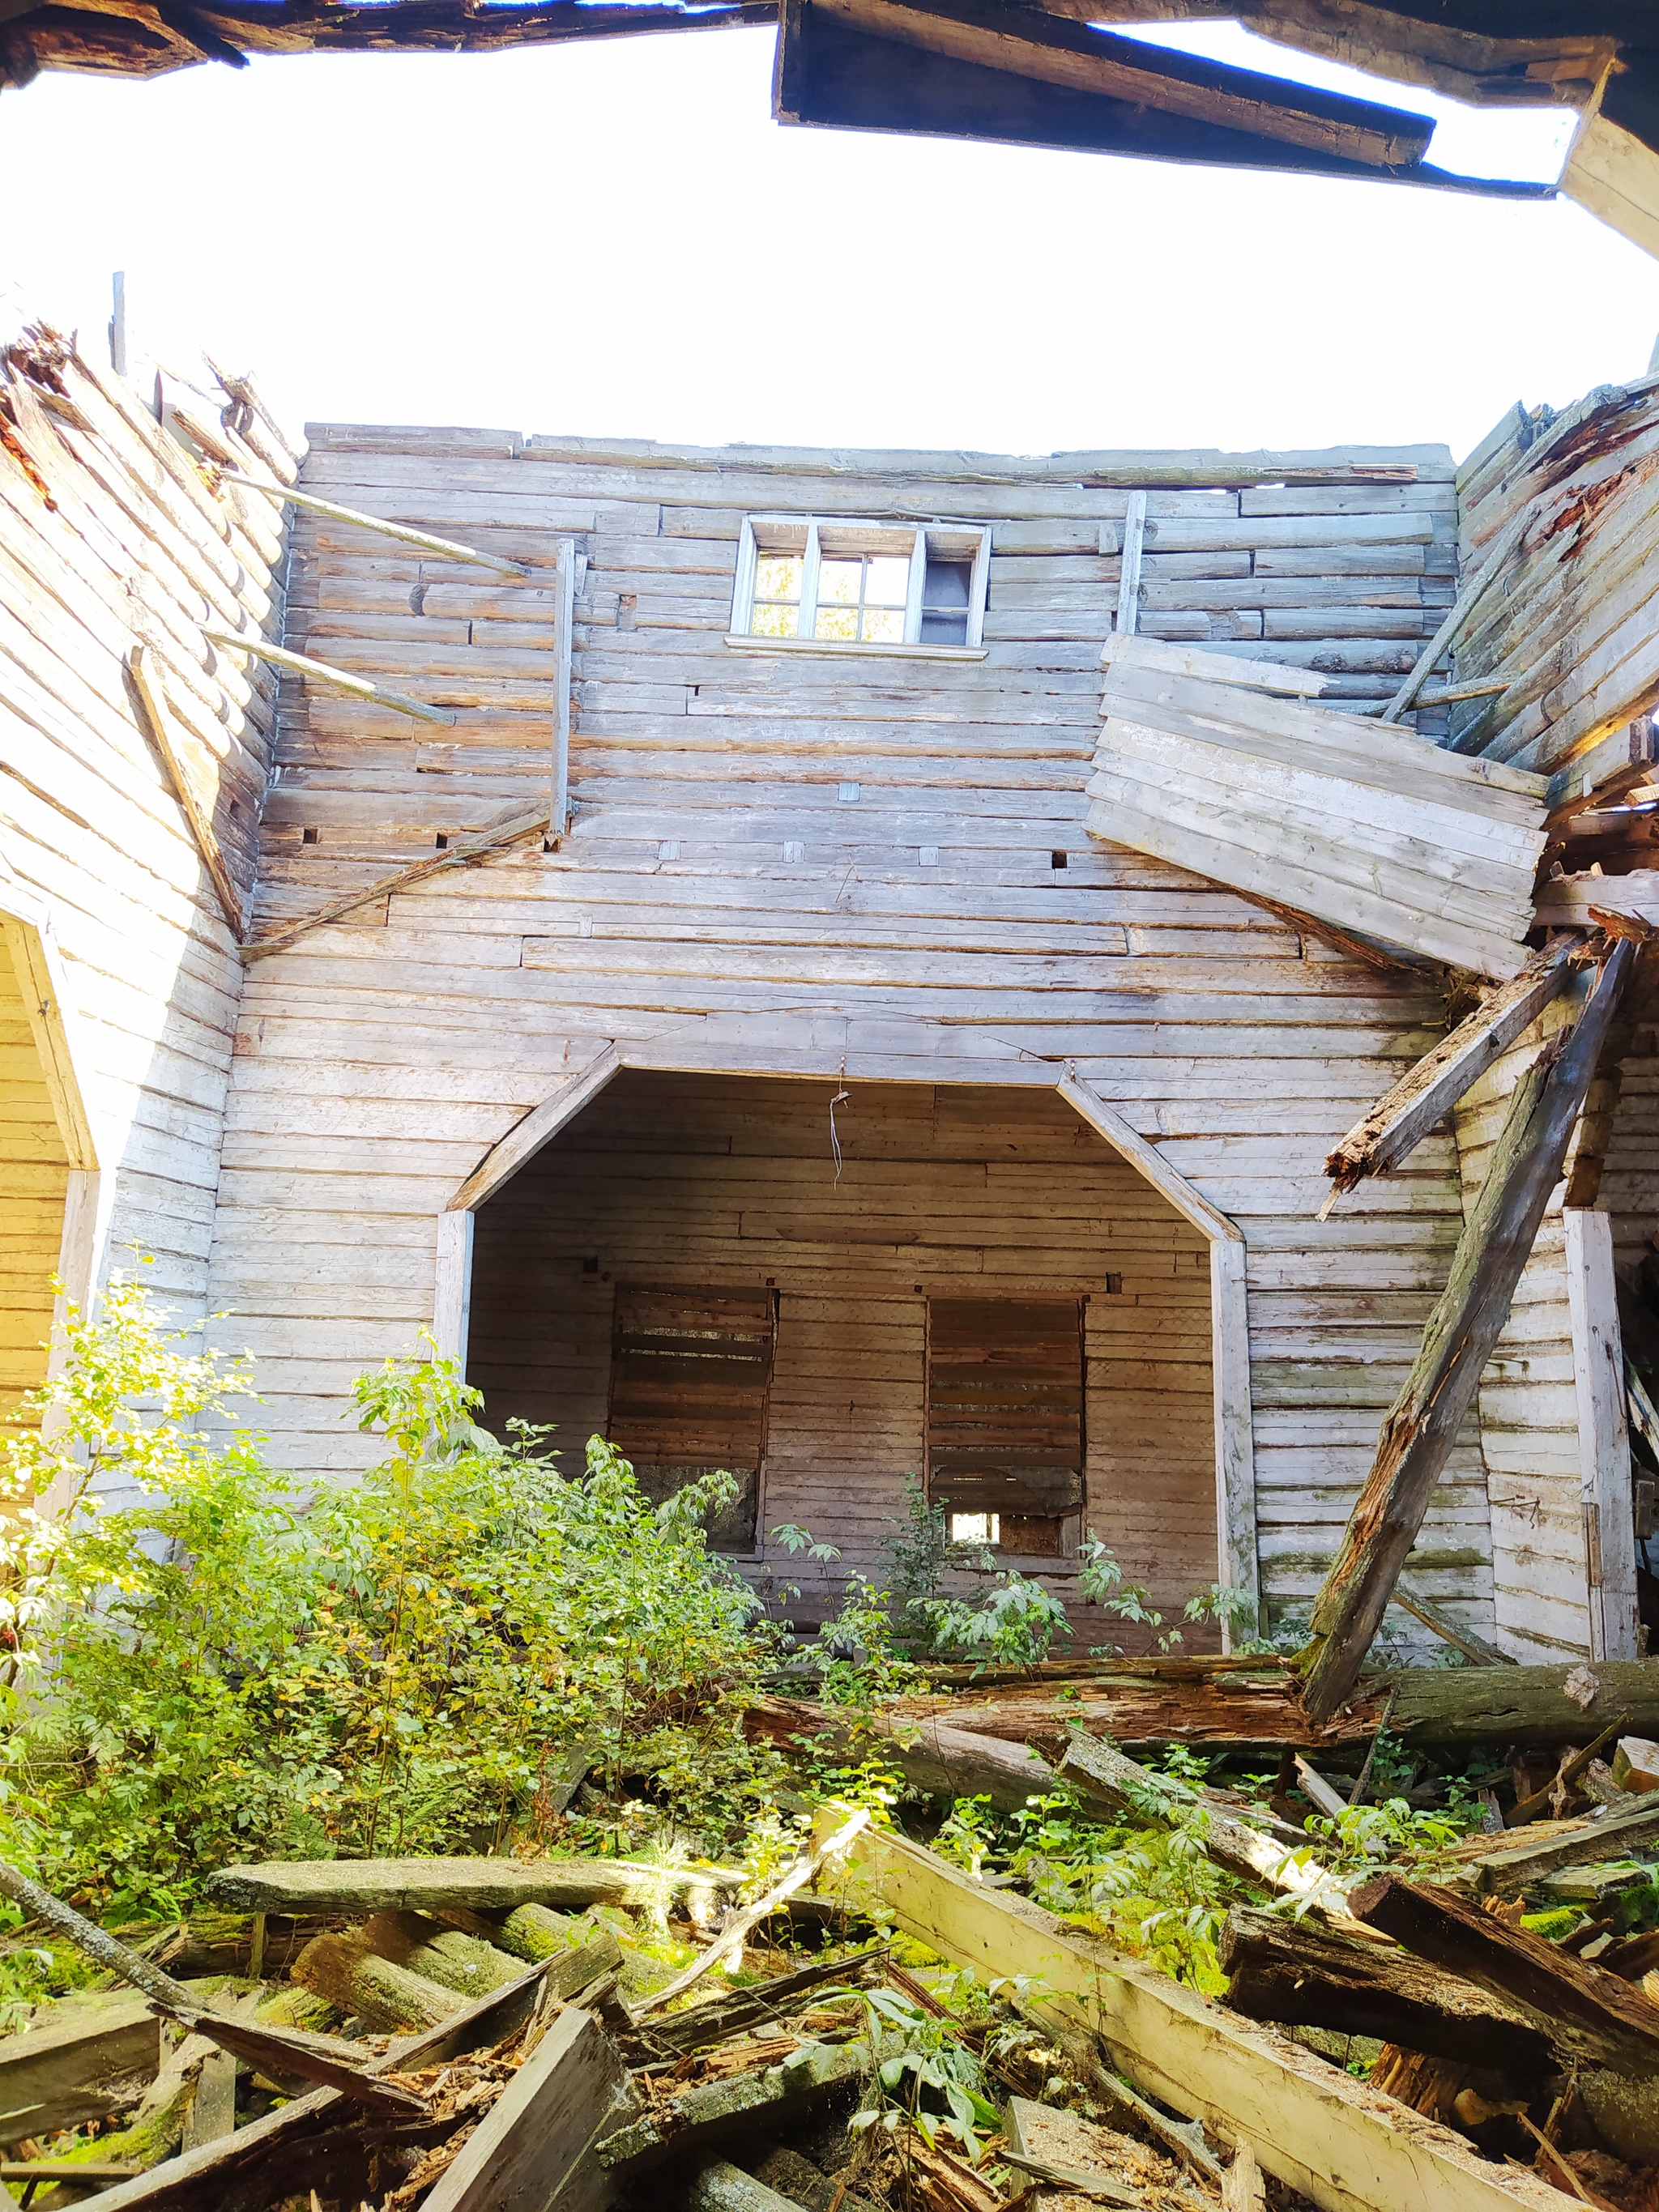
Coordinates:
<point>618,240</point>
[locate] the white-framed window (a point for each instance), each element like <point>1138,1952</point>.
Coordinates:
<point>806,585</point>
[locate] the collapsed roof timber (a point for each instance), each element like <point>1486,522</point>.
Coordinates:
<point>1051,75</point>
<point>1122,983</point>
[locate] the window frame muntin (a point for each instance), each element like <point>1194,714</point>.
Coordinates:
<point>807,534</point>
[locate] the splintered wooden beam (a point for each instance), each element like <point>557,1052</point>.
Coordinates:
<point>1311,2125</point>
<point>1421,1426</point>
<point>159,725</point>
<point>1462,607</point>
<point>1399,1121</point>
<point>1603,772</point>
<point>519,823</point>
<point>442,548</point>
<point>336,679</point>
<point>1304,1974</point>
<point>1028,44</point>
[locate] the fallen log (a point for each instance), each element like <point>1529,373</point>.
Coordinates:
<point>484,1885</point>
<point>445,1956</point>
<point>1597,2019</point>
<point>1302,1973</point>
<point>351,1974</point>
<point>1421,1427</point>
<point>1461,1708</point>
<point>1314,2127</point>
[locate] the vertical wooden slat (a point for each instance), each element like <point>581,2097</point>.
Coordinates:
<point>1604,1437</point>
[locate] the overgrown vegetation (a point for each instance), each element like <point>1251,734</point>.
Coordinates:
<point>205,1663</point>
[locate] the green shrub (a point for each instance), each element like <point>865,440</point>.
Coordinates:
<point>223,1668</point>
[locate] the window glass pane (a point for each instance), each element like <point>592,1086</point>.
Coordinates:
<point>884,625</point>
<point>889,580</point>
<point>944,630</point>
<point>838,583</point>
<point>777,622</point>
<point>838,623</point>
<point>777,576</point>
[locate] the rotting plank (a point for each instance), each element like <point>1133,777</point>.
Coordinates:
<point>532,2152</point>
<point>1345,2145</point>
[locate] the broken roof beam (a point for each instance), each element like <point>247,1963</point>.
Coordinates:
<point>1007,76</point>
<point>1421,1426</point>
<point>336,679</point>
<point>517,822</point>
<point>1021,42</point>
<point>1400,1120</point>
<point>442,548</point>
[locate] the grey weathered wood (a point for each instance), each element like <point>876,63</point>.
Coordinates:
<point>1509,1870</point>
<point>506,829</point>
<point>1128,592</point>
<point>83,2061</point>
<point>485,1884</point>
<point>166,741</point>
<point>1475,1648</point>
<point>761,2103</point>
<point>1422,1425</point>
<point>445,549</point>
<point>1304,1973</point>
<point>1463,1707</point>
<point>1469,599</point>
<point>218,2174</point>
<point>1399,1121</point>
<point>533,2151</point>
<point>336,679</point>
<point>739,2010</point>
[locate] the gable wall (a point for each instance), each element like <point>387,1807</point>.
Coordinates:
<point>377,1062</point>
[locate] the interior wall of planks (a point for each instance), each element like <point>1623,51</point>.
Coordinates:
<point>112,534</point>
<point>772,855</point>
<point>943,1191</point>
<point>34,1173</point>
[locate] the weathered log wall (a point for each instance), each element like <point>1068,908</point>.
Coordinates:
<point>777,861</point>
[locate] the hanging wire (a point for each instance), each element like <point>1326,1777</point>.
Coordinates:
<point>841,1095</point>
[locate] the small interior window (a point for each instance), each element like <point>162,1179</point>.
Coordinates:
<point>944,602</point>
<point>975,1528</point>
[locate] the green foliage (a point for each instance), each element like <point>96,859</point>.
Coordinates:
<point>222,1670</point>
<point>1013,1624</point>
<point>931,2081</point>
<point>919,1553</point>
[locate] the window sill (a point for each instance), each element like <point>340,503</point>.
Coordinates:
<point>840,649</point>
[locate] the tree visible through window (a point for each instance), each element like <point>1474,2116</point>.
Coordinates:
<point>843,585</point>
<point>1004,1418</point>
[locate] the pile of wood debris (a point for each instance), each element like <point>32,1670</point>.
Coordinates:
<point>1479,2029</point>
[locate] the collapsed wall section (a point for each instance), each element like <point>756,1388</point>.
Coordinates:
<point>116,534</point>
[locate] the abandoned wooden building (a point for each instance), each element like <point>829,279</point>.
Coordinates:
<point>799,1036</point>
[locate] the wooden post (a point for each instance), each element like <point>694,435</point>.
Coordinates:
<point>1603,1436</point>
<point>1421,1426</point>
<point>1128,590</point>
<point>564,615</point>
